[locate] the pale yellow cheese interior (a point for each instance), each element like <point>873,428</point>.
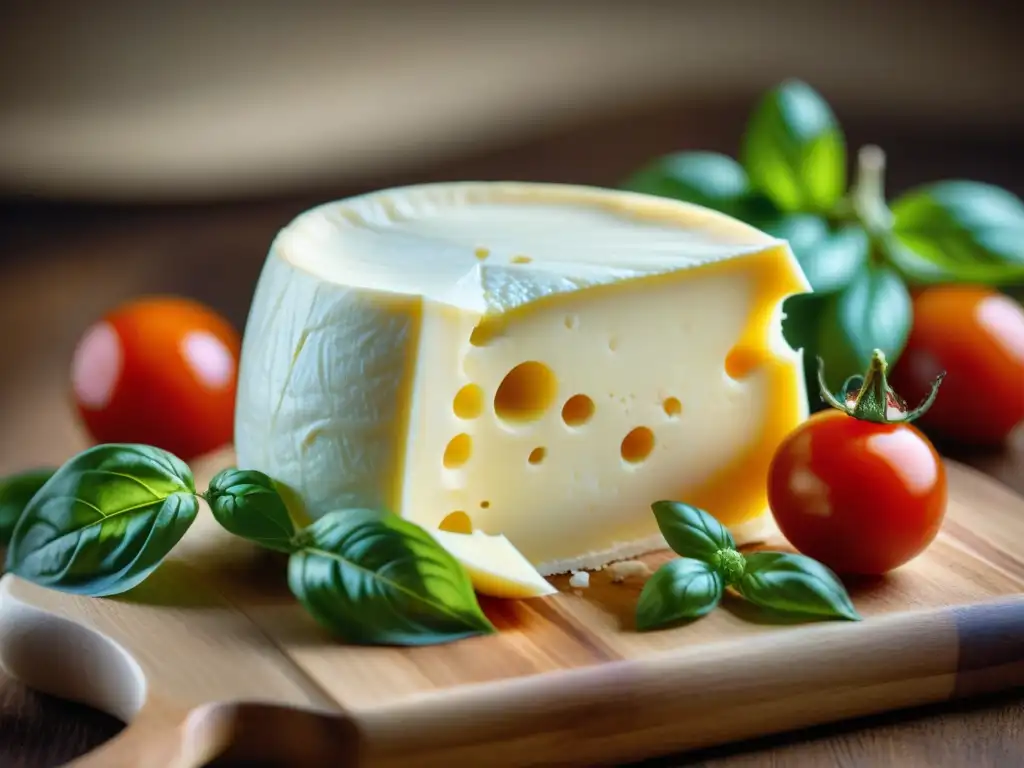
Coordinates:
<point>543,360</point>
<point>611,402</point>
<point>495,567</point>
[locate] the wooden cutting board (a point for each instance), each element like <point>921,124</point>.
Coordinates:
<point>212,659</point>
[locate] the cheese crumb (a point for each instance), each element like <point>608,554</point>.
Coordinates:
<point>623,570</point>
<point>579,579</point>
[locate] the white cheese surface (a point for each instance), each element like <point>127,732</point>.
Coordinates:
<point>426,241</point>
<point>544,360</point>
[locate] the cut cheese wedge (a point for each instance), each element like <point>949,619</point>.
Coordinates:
<point>495,567</point>
<point>543,360</point>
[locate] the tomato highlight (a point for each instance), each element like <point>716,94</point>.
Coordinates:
<point>160,371</point>
<point>858,487</point>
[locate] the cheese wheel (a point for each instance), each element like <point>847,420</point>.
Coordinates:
<point>540,361</point>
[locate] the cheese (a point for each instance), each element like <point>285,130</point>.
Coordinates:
<point>541,361</point>
<point>623,570</point>
<point>494,566</point>
<point>579,580</point>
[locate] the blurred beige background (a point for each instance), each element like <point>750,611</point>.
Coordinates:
<point>144,99</point>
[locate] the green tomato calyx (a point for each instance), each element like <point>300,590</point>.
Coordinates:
<point>870,398</point>
<point>730,564</point>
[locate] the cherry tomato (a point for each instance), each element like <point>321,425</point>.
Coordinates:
<point>976,335</point>
<point>860,497</point>
<point>159,371</point>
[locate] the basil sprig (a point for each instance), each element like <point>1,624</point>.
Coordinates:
<point>859,253</point>
<point>246,503</point>
<point>104,521</point>
<point>692,585</point>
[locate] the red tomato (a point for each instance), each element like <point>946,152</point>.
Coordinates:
<point>976,335</point>
<point>860,497</point>
<point>159,371</point>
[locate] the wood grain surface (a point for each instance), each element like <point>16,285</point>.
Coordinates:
<point>61,266</point>
<point>216,625</point>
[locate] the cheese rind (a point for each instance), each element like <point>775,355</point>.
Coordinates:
<point>546,360</point>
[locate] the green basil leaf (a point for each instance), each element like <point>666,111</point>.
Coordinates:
<point>378,579</point>
<point>681,589</point>
<point>246,503</point>
<point>830,259</point>
<point>104,521</point>
<point>935,269</point>
<point>801,319</point>
<point>16,492</point>
<point>801,327</point>
<point>795,584</point>
<point>803,231</point>
<point>794,150</point>
<point>873,312</point>
<point>967,230</point>
<point>691,532</point>
<point>704,178</point>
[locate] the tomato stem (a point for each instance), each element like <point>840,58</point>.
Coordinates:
<point>870,398</point>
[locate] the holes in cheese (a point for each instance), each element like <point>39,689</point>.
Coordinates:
<point>577,410</point>
<point>637,445</point>
<point>743,360</point>
<point>458,451</point>
<point>469,402</point>
<point>485,504</point>
<point>526,392</point>
<point>373,312</point>
<point>457,522</point>
<point>672,407</point>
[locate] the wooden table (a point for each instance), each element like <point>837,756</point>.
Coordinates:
<point>62,265</point>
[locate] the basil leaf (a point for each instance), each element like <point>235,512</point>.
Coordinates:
<point>704,178</point>
<point>873,312</point>
<point>378,579</point>
<point>801,327</point>
<point>961,231</point>
<point>794,584</point>
<point>104,521</point>
<point>681,589</point>
<point>16,492</point>
<point>794,150</point>
<point>830,259</point>
<point>802,314</point>
<point>691,532</point>
<point>246,503</point>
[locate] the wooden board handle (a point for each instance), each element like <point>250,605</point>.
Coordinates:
<point>229,734</point>
<point>69,660</point>
<point>66,659</point>
<point>153,739</point>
